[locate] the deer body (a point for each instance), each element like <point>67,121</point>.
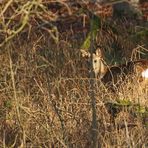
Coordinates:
<point>115,75</point>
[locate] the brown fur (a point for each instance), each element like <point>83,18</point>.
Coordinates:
<point>117,74</point>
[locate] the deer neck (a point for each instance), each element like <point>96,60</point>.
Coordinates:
<point>103,69</point>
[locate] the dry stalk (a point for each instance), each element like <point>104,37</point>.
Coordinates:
<point>14,88</point>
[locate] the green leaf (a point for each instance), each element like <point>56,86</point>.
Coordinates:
<point>95,25</point>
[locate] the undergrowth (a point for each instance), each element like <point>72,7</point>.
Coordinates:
<point>45,84</point>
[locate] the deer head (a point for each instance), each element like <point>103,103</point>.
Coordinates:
<point>99,66</point>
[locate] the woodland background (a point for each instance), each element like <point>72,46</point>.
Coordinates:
<point>44,83</point>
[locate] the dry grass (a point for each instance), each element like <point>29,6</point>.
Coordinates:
<point>44,87</point>
<point>40,108</point>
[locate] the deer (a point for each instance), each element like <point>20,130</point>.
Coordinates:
<point>113,76</point>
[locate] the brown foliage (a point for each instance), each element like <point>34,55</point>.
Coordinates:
<point>44,84</point>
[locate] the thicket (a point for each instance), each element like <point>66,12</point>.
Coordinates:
<point>44,80</point>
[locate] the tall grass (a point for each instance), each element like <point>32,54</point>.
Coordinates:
<point>44,86</point>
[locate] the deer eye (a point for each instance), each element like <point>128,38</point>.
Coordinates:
<point>95,61</point>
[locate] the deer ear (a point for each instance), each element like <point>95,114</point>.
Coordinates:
<point>98,52</point>
<point>85,53</point>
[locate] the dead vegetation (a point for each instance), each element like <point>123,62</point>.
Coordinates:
<point>44,83</point>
